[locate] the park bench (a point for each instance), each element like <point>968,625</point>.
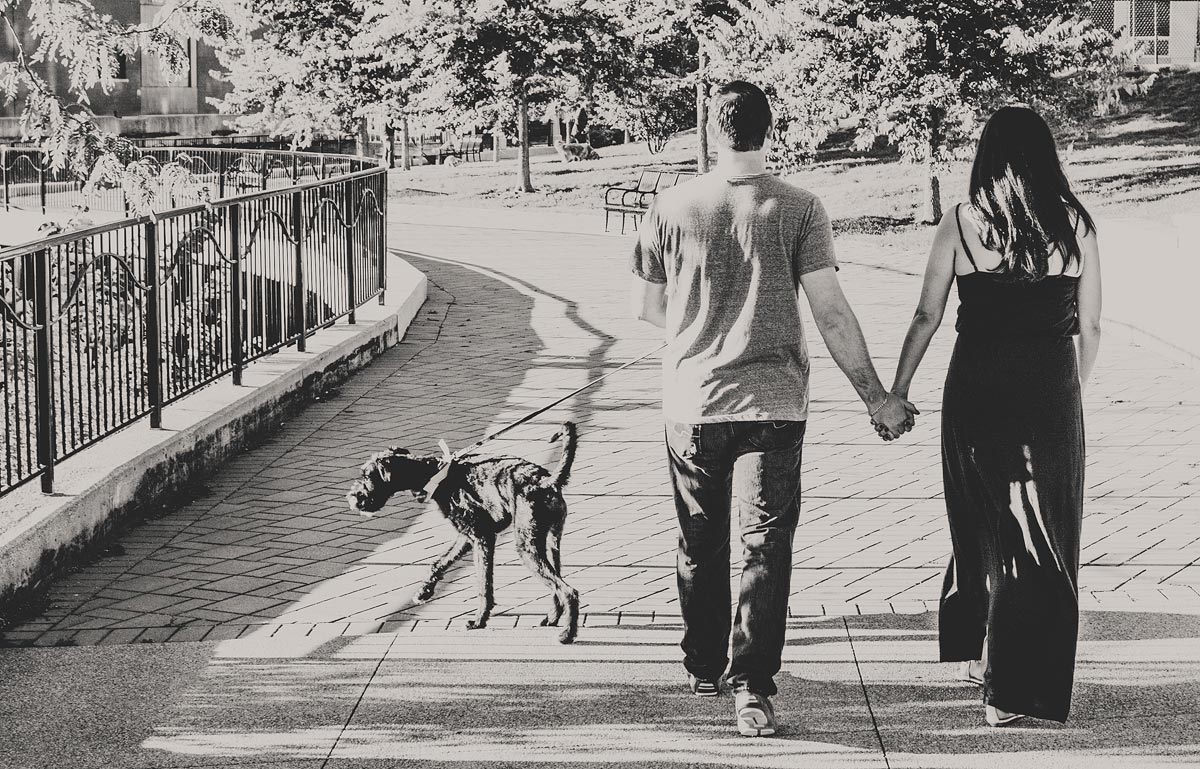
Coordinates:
<point>468,148</point>
<point>632,201</point>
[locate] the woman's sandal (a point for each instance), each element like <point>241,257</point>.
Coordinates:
<point>996,717</point>
<point>971,672</point>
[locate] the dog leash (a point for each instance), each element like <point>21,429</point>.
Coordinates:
<point>448,458</point>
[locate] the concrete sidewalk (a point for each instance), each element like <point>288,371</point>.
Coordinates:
<point>293,640</point>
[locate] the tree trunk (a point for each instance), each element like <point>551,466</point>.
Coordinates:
<point>389,146</point>
<point>361,138</point>
<point>702,114</point>
<point>525,184</point>
<point>933,196</point>
<point>405,145</point>
<point>497,140</point>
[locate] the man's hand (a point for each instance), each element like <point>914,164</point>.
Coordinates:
<point>894,417</point>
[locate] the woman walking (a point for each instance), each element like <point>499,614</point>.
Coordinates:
<point>1023,253</point>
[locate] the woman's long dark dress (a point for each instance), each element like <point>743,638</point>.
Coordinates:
<point>1012,463</point>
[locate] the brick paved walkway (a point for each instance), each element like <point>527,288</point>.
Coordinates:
<point>516,318</point>
<point>306,652</point>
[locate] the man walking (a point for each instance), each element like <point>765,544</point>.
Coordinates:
<point>718,265</point>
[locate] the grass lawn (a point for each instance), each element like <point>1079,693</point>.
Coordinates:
<point>1143,164</point>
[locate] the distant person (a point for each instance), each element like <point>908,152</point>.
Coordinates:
<point>1023,252</point>
<point>719,264</point>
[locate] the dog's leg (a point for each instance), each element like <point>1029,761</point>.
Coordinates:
<point>460,545</point>
<point>564,594</point>
<point>485,551</point>
<point>547,548</point>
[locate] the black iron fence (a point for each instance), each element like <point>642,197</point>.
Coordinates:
<point>28,182</point>
<point>103,326</point>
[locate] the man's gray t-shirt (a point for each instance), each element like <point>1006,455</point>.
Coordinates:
<point>731,251</point>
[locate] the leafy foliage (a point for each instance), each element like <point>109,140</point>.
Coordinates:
<point>491,61</point>
<point>298,69</point>
<point>86,43</point>
<point>922,74</point>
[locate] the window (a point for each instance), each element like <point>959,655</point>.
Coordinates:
<point>1103,14</point>
<point>1152,26</point>
<point>122,66</point>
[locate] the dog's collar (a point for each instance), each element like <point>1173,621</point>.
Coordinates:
<point>442,472</point>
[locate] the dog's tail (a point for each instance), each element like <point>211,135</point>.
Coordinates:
<point>569,436</point>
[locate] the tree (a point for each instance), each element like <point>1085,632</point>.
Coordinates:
<point>491,61</point>
<point>659,99</point>
<point>697,21</point>
<point>923,73</point>
<point>297,69</point>
<point>73,36</point>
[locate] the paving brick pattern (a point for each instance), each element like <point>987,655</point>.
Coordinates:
<point>267,546</point>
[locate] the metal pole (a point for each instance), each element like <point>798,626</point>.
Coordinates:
<point>153,327</point>
<point>235,299</point>
<point>298,287</point>
<point>295,168</point>
<point>264,170</point>
<point>222,160</point>
<point>351,294</point>
<point>382,203</point>
<point>42,182</point>
<point>4,173</point>
<point>44,371</point>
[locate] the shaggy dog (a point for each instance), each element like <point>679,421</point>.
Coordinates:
<point>482,497</point>
<point>574,151</point>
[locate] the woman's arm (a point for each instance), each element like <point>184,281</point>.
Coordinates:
<point>1089,307</point>
<point>939,273</point>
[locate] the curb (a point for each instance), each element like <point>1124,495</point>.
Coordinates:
<point>123,478</point>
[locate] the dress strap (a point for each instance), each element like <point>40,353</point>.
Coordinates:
<point>962,238</point>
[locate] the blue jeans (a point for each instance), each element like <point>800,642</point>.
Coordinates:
<point>758,465</point>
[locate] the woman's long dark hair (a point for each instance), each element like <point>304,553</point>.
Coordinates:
<point>1021,195</point>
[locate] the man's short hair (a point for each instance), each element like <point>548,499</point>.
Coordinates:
<point>742,115</point>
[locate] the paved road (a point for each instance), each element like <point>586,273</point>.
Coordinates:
<point>294,639</point>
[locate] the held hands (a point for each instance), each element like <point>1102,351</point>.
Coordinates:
<point>894,417</point>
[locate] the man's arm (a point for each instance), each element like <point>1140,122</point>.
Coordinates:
<point>843,336</point>
<point>648,301</point>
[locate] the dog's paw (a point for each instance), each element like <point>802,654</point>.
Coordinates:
<point>419,495</point>
<point>476,624</point>
<point>424,594</point>
<point>568,635</point>
<point>549,621</point>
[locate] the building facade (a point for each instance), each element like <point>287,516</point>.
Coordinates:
<point>1165,32</point>
<point>144,100</point>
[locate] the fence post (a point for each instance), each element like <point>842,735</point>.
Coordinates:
<point>44,370</point>
<point>4,173</point>
<point>222,160</point>
<point>298,295</point>
<point>235,295</point>
<point>351,294</point>
<point>153,327</point>
<point>42,182</point>
<point>382,203</point>
<point>322,167</point>
<point>295,168</point>
<point>264,170</point>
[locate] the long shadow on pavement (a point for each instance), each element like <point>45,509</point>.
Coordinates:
<point>1135,704</point>
<point>271,531</point>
